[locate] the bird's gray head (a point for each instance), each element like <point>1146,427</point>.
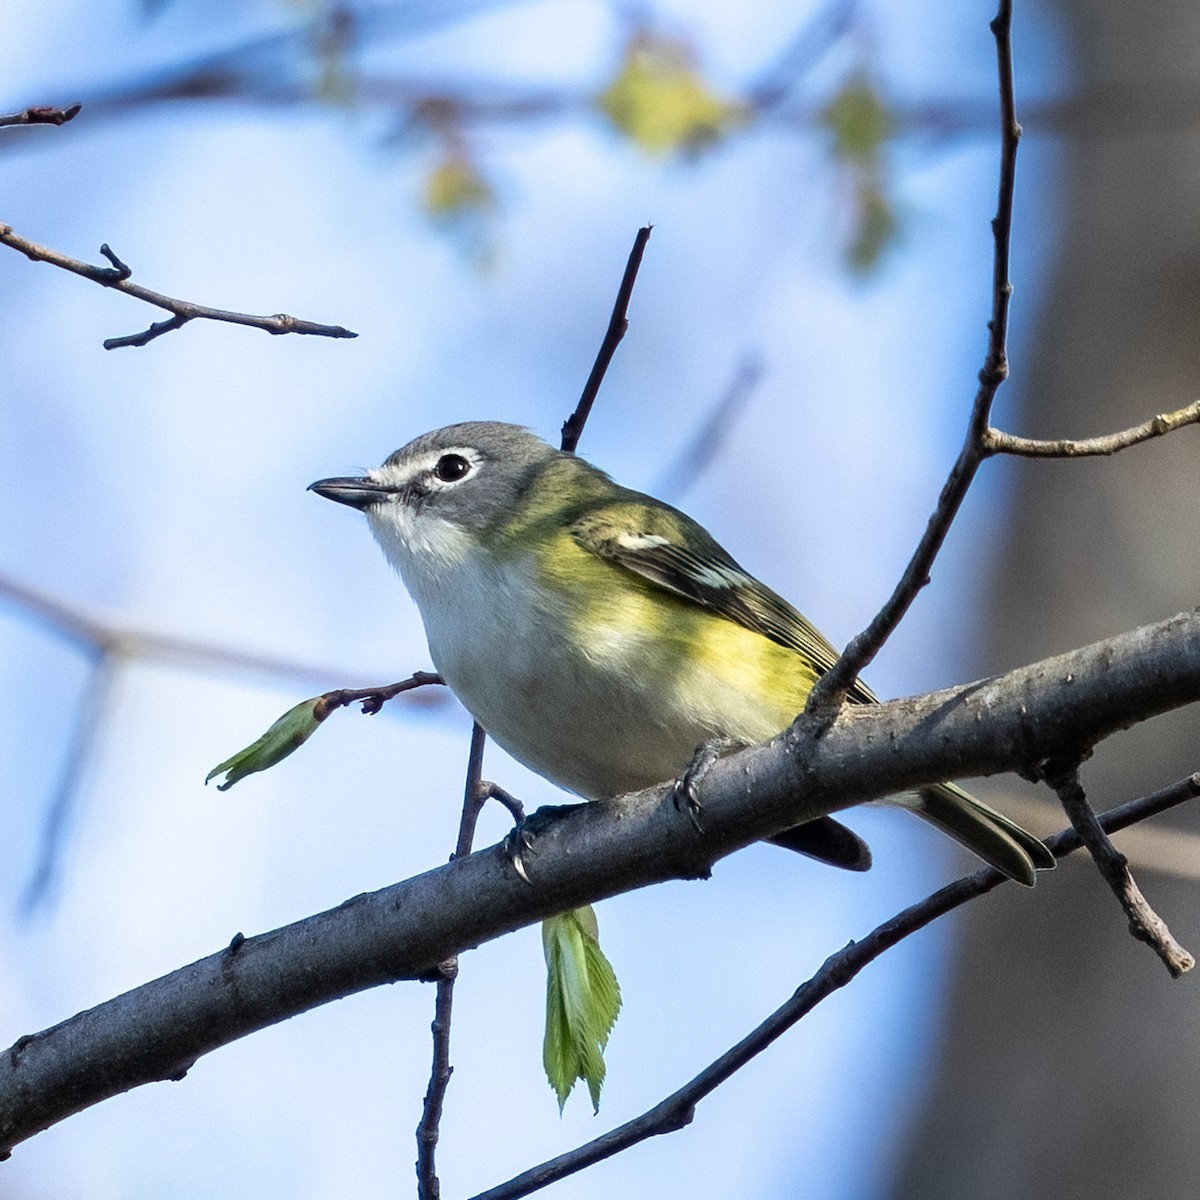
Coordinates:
<point>433,494</point>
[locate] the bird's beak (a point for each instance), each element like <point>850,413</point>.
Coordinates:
<point>357,492</point>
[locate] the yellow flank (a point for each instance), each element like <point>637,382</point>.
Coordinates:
<point>703,676</point>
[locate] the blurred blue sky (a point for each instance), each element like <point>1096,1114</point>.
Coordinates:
<point>166,486</point>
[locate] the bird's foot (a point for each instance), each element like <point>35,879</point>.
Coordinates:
<point>525,832</point>
<point>686,792</point>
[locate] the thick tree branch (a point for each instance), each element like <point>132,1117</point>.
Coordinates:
<point>475,796</point>
<point>117,276</point>
<point>1008,723</point>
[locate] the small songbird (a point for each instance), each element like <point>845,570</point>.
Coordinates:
<point>601,636</point>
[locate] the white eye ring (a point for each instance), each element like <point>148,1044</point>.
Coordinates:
<point>450,468</point>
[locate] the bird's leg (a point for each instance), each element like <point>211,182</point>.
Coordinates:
<point>527,829</point>
<point>686,792</point>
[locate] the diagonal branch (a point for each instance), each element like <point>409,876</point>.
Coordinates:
<point>709,439</point>
<point>678,1109</point>
<point>827,696</point>
<point>1144,923</point>
<point>1010,722</point>
<point>92,720</point>
<point>618,323</point>
<point>117,277</point>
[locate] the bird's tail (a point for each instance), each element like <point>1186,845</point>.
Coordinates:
<point>1001,843</point>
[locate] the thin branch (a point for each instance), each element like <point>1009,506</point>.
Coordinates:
<point>709,439</point>
<point>996,441</point>
<point>617,324</point>
<point>373,699</point>
<point>678,1109</point>
<point>828,694</point>
<point>475,796</point>
<point>822,30</point>
<point>1173,852</point>
<point>42,115</point>
<point>1144,923</point>
<point>90,721</point>
<point>117,278</point>
<point>478,791</point>
<point>1011,722</point>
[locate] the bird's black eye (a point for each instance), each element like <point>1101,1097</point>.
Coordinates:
<point>451,467</point>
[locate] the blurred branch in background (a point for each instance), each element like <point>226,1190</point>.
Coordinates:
<point>110,646</point>
<point>656,96</point>
<point>703,448</point>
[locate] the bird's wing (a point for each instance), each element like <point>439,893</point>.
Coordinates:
<point>649,541</point>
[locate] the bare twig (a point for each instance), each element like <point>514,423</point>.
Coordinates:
<point>1173,851</point>
<point>678,1109</point>
<point>998,442</point>
<point>475,796</point>
<point>827,696</point>
<point>117,278</point>
<point>1144,923</point>
<point>617,324</point>
<point>373,699</point>
<point>42,115</point>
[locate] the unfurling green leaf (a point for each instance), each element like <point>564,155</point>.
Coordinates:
<point>289,733</point>
<point>582,1002</point>
<point>660,101</point>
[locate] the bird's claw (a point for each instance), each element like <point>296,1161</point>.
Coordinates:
<point>686,792</point>
<point>521,837</point>
<point>515,845</point>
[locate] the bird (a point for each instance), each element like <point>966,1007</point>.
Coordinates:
<point>603,637</point>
